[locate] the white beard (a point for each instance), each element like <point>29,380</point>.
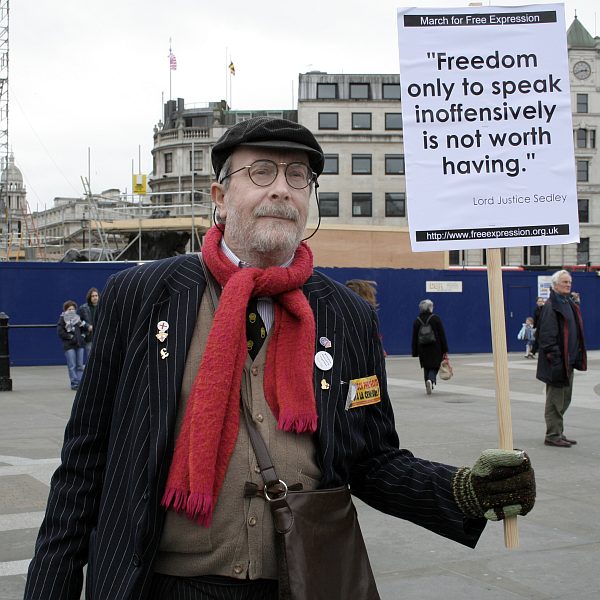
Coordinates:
<point>266,237</point>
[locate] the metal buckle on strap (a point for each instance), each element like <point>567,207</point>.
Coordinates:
<point>279,491</point>
<point>252,490</point>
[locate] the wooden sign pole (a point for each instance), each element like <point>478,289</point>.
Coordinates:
<point>497,318</point>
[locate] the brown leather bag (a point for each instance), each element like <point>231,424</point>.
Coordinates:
<point>321,554</point>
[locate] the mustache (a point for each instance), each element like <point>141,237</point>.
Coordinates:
<point>280,211</point>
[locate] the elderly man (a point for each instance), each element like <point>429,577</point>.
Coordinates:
<point>156,459</point>
<point>561,350</point>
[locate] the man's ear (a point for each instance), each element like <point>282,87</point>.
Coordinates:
<point>217,193</point>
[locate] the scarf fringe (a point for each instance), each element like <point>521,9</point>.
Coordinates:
<point>174,499</point>
<point>289,421</point>
<point>196,506</point>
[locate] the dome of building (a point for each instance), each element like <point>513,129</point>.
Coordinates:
<point>13,173</point>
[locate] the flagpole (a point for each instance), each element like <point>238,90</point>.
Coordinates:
<point>170,70</point>
<point>226,82</point>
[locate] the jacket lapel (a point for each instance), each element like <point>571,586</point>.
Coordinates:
<point>178,307</point>
<point>328,384</point>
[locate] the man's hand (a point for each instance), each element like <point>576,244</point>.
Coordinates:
<point>500,484</point>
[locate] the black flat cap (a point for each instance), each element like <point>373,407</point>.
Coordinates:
<point>268,133</point>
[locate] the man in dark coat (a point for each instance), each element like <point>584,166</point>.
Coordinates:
<point>156,459</point>
<point>561,350</point>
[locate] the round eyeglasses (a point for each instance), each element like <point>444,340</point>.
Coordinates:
<point>264,173</point>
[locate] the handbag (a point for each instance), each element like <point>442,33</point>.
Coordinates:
<point>321,554</point>
<point>446,371</point>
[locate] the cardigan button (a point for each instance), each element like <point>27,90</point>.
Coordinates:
<point>260,418</point>
<point>238,569</point>
<point>254,371</point>
<point>252,521</point>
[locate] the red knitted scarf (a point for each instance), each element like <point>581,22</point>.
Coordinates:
<point>211,421</point>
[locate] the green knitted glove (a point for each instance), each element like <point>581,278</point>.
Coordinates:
<point>500,484</point>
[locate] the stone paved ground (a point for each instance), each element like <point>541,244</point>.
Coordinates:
<point>559,553</point>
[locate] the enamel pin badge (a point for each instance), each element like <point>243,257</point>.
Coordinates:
<point>325,342</point>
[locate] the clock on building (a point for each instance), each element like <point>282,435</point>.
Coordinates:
<point>582,69</point>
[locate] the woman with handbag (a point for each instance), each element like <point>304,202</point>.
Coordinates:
<point>429,343</point>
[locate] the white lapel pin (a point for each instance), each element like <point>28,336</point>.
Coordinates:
<point>323,360</point>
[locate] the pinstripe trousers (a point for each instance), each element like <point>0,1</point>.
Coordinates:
<point>166,587</point>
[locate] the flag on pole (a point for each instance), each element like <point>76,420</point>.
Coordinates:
<point>231,68</point>
<point>172,62</point>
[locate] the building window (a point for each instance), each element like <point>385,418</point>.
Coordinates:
<point>393,121</point>
<point>332,164</point>
<point>361,120</point>
<point>167,199</point>
<point>534,256</point>
<point>391,91</point>
<point>327,91</point>
<point>196,160</point>
<point>361,164</point>
<point>329,204</point>
<point>456,258</point>
<point>394,164</point>
<point>361,204</point>
<point>585,138</point>
<point>583,206</point>
<point>328,120</point>
<point>395,204</point>
<point>583,170</point>
<point>168,162</point>
<point>582,103</point>
<point>359,91</point>
<point>583,251</point>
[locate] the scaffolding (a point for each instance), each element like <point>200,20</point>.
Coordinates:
<point>4,148</point>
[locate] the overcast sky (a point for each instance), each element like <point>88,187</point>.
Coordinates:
<point>93,74</point>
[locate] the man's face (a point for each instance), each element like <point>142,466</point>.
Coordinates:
<point>563,285</point>
<point>94,297</point>
<point>265,220</point>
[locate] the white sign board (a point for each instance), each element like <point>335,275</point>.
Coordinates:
<point>443,286</point>
<point>544,286</point>
<point>488,134</point>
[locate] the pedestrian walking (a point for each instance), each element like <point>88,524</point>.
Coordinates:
<point>527,334</point>
<point>429,343</point>
<point>71,330</point>
<point>539,304</point>
<point>87,312</point>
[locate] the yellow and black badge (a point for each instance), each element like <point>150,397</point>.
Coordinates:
<point>362,392</point>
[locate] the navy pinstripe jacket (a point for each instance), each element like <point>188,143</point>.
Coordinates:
<point>103,506</point>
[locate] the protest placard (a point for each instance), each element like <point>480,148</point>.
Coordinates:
<point>488,144</point>
<point>488,135</point>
